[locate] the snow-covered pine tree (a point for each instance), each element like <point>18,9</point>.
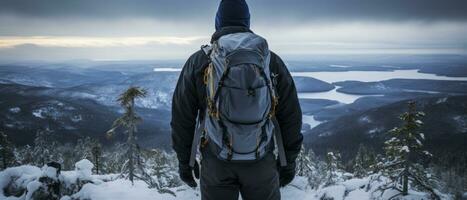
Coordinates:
<point>403,150</point>
<point>96,150</point>
<point>364,162</point>
<point>332,167</point>
<point>68,155</point>
<point>134,167</point>
<point>317,174</point>
<point>303,161</point>
<point>359,169</point>
<point>6,151</point>
<point>114,158</point>
<point>164,167</point>
<point>129,121</point>
<point>90,149</point>
<point>42,147</point>
<point>82,149</point>
<point>25,155</point>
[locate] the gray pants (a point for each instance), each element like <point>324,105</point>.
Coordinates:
<point>225,181</point>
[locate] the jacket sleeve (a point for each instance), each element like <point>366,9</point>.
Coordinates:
<point>184,112</point>
<point>289,114</point>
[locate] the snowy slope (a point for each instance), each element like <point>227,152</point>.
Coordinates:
<point>107,187</point>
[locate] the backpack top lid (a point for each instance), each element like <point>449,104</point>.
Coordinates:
<point>243,40</point>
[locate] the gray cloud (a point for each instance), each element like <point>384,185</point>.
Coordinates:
<point>265,10</point>
<point>306,26</point>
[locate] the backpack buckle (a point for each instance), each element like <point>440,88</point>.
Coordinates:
<point>275,102</point>
<point>212,110</point>
<point>251,92</point>
<point>204,139</point>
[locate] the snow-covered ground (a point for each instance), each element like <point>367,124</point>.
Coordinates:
<point>109,187</point>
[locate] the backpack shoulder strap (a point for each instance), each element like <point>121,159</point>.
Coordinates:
<point>207,50</point>
<point>200,126</point>
<point>196,141</point>
<point>279,142</point>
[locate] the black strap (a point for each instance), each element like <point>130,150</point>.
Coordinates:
<point>220,84</point>
<point>196,141</point>
<point>280,143</point>
<point>272,93</point>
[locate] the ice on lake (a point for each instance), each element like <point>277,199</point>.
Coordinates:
<point>373,76</point>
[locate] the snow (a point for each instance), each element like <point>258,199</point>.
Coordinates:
<point>374,130</point>
<point>310,120</point>
<point>32,187</point>
<point>109,187</point>
<point>405,148</point>
<point>374,76</point>
<point>358,195</point>
<point>84,169</point>
<point>365,119</point>
<point>167,69</point>
<point>422,136</point>
<point>356,183</point>
<point>49,172</point>
<point>340,66</point>
<point>15,110</point>
<point>441,100</point>
<point>38,113</point>
<point>123,190</point>
<point>76,118</point>
<point>421,91</point>
<point>418,142</point>
<point>335,192</point>
<point>461,121</point>
<point>332,95</point>
<point>21,176</point>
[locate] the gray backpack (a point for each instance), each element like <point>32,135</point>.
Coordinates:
<point>239,120</point>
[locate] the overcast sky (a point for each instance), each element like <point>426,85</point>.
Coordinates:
<point>173,29</point>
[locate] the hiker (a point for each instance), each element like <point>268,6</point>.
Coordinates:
<point>236,102</point>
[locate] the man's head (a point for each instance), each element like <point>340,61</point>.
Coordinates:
<point>232,13</point>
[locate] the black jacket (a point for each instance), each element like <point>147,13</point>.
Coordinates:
<point>189,99</point>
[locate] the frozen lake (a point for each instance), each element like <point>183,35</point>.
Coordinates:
<point>310,120</point>
<point>167,69</point>
<point>332,95</point>
<point>372,76</point>
<point>364,76</point>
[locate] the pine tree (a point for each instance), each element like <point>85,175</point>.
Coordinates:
<point>68,154</point>
<point>359,165</point>
<point>304,165</point>
<point>317,174</point>
<point>333,167</point>
<point>41,151</point>
<point>402,150</point>
<point>129,121</point>
<point>114,158</point>
<point>25,155</point>
<point>96,155</point>
<point>6,151</point>
<point>364,162</point>
<point>164,168</point>
<point>83,149</point>
<point>134,166</point>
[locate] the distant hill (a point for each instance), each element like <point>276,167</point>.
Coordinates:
<point>26,109</point>
<point>445,127</point>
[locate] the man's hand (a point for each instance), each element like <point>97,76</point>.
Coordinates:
<point>186,174</point>
<point>286,174</point>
